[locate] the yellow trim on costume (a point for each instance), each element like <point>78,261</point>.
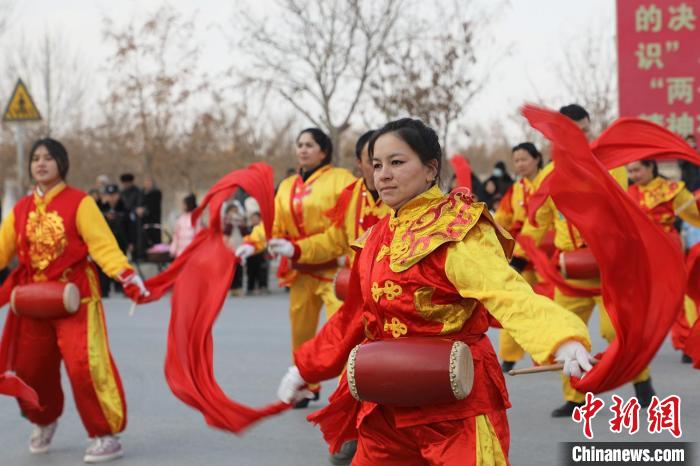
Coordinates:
<point>390,289</point>
<point>396,327</point>
<point>451,316</point>
<point>101,370</point>
<point>488,446</point>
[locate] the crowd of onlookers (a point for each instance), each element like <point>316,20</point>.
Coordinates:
<point>134,214</point>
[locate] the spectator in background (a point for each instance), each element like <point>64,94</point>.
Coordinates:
<point>257,266</point>
<point>235,229</point>
<point>497,184</point>
<point>150,212</point>
<point>132,197</point>
<point>101,182</point>
<point>117,218</point>
<point>97,196</point>
<point>184,231</point>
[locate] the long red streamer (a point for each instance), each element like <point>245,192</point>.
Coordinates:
<point>641,270</point>
<point>627,140</point>
<point>200,280</point>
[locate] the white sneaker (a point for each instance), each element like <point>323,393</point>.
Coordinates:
<point>41,437</point>
<point>103,449</point>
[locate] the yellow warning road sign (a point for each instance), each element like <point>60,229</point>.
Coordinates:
<point>21,106</point>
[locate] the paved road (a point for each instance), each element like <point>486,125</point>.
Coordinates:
<point>251,356</point>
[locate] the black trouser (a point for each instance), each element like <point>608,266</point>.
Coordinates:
<point>106,284</point>
<point>237,282</point>
<point>257,270</point>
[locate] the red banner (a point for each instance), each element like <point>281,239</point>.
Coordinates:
<point>659,62</point>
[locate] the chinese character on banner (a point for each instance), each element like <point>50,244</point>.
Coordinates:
<point>681,124</point>
<point>665,415</point>
<point>587,412</point>
<point>648,19</point>
<point>682,17</point>
<point>649,55</point>
<point>680,89</point>
<point>659,62</point>
<point>626,416</point>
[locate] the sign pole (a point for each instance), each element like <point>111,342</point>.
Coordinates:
<point>19,139</point>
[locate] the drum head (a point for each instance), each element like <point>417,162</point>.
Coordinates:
<point>71,298</point>
<point>461,370</point>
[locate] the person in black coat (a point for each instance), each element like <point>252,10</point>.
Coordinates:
<point>150,212</point>
<point>118,220</point>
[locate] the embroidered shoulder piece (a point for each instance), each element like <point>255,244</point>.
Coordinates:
<point>420,232</point>
<point>663,192</point>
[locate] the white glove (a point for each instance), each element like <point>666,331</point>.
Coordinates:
<point>576,359</point>
<point>281,247</point>
<point>244,251</point>
<point>131,278</point>
<point>292,387</point>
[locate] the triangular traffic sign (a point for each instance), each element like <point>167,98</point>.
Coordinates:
<point>21,106</point>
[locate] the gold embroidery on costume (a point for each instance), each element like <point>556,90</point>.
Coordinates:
<point>659,191</point>
<point>452,316</point>
<point>47,237</point>
<point>383,252</point>
<point>445,219</point>
<point>390,289</point>
<point>396,327</point>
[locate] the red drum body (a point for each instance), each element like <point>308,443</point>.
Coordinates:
<point>411,371</point>
<point>342,283</point>
<point>578,264</point>
<point>47,300</point>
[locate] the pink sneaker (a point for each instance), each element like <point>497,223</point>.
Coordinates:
<point>103,449</point>
<point>41,438</point>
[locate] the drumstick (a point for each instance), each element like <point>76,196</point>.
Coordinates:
<point>545,368</point>
<point>537,369</point>
<point>133,309</point>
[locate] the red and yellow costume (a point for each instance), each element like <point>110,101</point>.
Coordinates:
<point>567,238</point>
<point>512,215</point>
<point>662,200</point>
<point>355,212</point>
<point>300,207</point>
<point>52,237</point>
<point>436,268</point>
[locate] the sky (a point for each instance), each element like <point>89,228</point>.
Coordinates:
<point>535,31</point>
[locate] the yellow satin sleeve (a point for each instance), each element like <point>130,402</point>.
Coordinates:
<point>545,217</point>
<point>102,246</point>
<point>324,247</point>
<point>257,238</point>
<point>686,201</point>
<point>8,238</point>
<point>478,269</point>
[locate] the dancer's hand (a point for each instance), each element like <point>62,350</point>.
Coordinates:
<point>576,359</point>
<point>131,278</point>
<point>244,251</point>
<point>292,387</point>
<point>281,247</point>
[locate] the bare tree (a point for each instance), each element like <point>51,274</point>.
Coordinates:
<point>57,77</point>
<point>588,75</point>
<point>434,73</point>
<point>318,55</point>
<point>154,80</point>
